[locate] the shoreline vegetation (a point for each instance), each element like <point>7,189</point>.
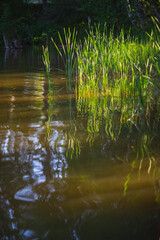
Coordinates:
<point>115,80</point>
<point>103,62</point>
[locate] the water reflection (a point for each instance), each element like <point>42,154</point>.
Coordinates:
<point>130,113</point>
<point>28,159</point>
<point>53,184</point>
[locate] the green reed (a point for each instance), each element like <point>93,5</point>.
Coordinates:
<point>121,67</point>
<point>116,77</point>
<point>68,52</point>
<point>118,89</point>
<point>105,57</point>
<point>46,62</point>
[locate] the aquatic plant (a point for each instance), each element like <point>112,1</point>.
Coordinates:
<point>104,57</point>
<point>118,89</point>
<point>46,62</point>
<point>115,77</point>
<point>119,67</point>
<point>68,52</point>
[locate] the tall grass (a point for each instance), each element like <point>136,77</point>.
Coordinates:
<point>46,62</point>
<point>119,87</point>
<point>117,77</point>
<point>68,52</point>
<point>105,58</point>
<point>124,69</point>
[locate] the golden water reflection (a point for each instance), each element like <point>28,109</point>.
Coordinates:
<point>48,194</point>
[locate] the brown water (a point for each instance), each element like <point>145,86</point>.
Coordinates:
<point>47,194</point>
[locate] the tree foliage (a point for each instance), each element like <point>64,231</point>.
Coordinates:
<point>31,22</point>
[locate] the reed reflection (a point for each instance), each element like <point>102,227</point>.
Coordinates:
<point>31,156</point>
<point>127,117</point>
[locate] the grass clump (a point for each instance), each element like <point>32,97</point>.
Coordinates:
<point>124,69</point>
<point>68,52</point>
<point>118,86</point>
<point>105,59</point>
<point>46,62</point>
<point>117,77</point>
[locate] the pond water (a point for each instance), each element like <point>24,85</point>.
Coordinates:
<point>56,182</point>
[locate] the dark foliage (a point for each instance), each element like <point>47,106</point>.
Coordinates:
<point>27,22</point>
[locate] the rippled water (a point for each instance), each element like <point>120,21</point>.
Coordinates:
<point>47,194</point>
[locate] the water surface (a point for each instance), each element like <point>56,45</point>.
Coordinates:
<point>50,191</point>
